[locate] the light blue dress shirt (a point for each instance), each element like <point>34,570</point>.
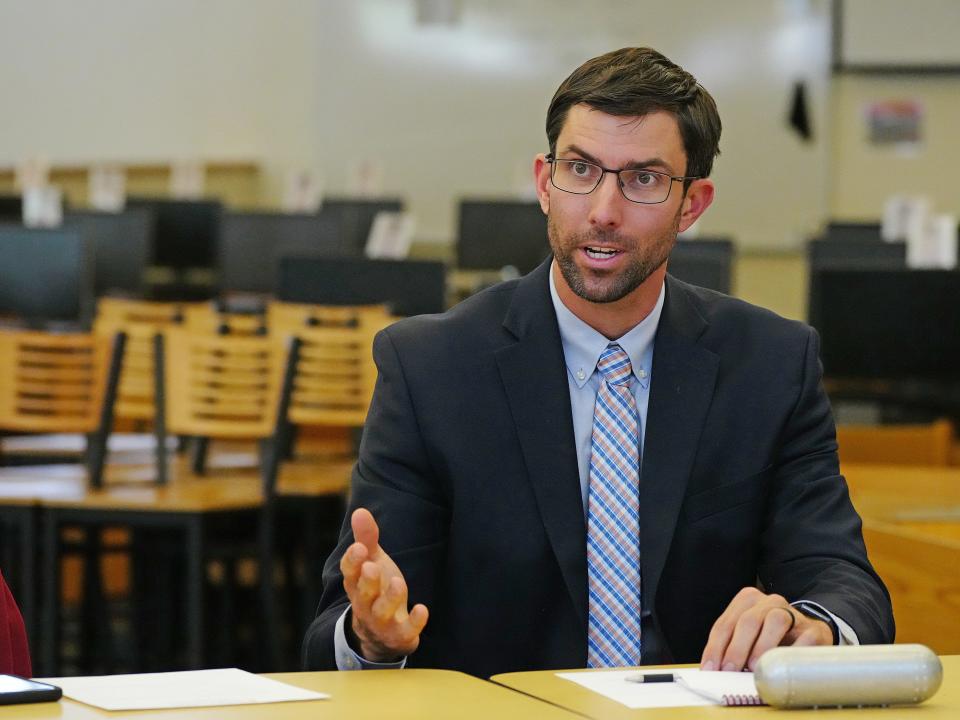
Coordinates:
<point>582,346</point>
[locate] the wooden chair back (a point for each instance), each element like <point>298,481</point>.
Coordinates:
<point>288,318</point>
<point>221,386</point>
<point>53,383</point>
<point>140,321</point>
<point>331,371</point>
<point>207,318</point>
<point>61,384</point>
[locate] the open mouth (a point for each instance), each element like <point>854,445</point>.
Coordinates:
<point>597,253</point>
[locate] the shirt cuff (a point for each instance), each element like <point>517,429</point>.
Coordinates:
<point>347,659</point>
<point>846,635</point>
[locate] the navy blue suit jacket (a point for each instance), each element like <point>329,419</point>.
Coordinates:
<point>468,465</point>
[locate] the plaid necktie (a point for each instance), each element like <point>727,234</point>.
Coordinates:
<point>613,527</point>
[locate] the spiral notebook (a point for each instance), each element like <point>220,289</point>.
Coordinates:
<point>723,688</point>
<point>689,687</point>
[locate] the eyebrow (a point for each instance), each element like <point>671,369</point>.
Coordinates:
<point>654,162</point>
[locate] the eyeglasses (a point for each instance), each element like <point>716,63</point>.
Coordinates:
<point>580,177</point>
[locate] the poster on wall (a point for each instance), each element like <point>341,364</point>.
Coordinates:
<point>895,123</point>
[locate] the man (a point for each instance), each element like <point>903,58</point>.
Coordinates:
<point>598,464</point>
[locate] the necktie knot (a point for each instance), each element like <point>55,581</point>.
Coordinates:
<point>614,365</point>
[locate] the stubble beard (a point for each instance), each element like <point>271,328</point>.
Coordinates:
<point>608,287</point>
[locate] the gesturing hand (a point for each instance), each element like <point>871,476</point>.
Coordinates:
<point>752,624</point>
<point>378,596</point>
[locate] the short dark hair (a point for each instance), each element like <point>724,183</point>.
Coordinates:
<point>636,82</point>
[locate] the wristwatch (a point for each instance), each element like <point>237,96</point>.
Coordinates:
<point>816,613</point>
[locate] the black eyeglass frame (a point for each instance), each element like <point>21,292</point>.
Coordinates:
<point>549,157</point>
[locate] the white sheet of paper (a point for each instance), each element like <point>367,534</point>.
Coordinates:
<point>614,685</point>
<point>197,688</point>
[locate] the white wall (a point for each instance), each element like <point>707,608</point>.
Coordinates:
<point>447,111</point>
<point>865,175</point>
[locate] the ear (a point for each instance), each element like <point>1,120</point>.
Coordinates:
<point>695,202</point>
<point>541,176</point>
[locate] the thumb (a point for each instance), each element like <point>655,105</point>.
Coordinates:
<point>365,530</point>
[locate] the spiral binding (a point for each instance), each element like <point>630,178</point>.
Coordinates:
<point>742,700</point>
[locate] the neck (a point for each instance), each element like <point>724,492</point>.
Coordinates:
<point>614,319</point>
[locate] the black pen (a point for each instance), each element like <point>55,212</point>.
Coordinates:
<point>650,678</point>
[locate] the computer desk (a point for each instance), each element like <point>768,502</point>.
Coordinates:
<point>911,527</point>
<point>366,695</point>
<point>546,686</point>
<point>39,506</point>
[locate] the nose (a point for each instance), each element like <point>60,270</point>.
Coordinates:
<point>606,206</point>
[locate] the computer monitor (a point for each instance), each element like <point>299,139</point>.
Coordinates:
<point>856,254</point>
<point>409,287</point>
<point>494,234</point>
<point>122,244</point>
<point>850,254</point>
<point>11,209</point>
<point>896,325</point>
<point>853,231</point>
<point>707,262</point>
<point>251,245</point>
<point>355,217</point>
<point>185,231</point>
<point>46,276</point>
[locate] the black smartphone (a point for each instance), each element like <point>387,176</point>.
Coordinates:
<point>15,690</point>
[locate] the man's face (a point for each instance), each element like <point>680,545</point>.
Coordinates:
<point>605,245</point>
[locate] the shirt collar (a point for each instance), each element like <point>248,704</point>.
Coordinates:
<point>582,344</point>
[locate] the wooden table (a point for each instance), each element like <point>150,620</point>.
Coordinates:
<point>230,490</point>
<point>545,685</point>
<point>911,526</point>
<point>365,695</point>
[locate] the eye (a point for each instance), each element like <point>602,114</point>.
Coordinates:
<point>580,169</point>
<point>644,179</point>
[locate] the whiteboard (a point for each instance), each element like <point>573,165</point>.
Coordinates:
<point>898,35</point>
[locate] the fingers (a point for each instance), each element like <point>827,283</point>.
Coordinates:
<point>350,565</point>
<point>752,624</point>
<point>365,529</point>
<point>722,631</point>
<point>777,622</point>
<point>378,595</point>
<point>418,618</point>
<point>385,629</point>
<point>391,604</point>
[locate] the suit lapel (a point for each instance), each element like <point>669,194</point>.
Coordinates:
<point>684,375</point>
<point>534,377</point>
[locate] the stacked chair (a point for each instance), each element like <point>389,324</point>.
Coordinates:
<point>292,383</point>
<point>58,384</point>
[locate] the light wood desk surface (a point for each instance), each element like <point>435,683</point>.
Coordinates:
<point>547,686</point>
<point>887,492</point>
<point>232,486</point>
<point>366,695</point>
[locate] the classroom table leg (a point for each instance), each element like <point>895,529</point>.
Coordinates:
<point>28,560</point>
<point>195,583</point>
<point>50,638</point>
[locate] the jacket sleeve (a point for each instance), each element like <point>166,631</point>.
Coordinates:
<point>812,543</point>
<point>394,480</point>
